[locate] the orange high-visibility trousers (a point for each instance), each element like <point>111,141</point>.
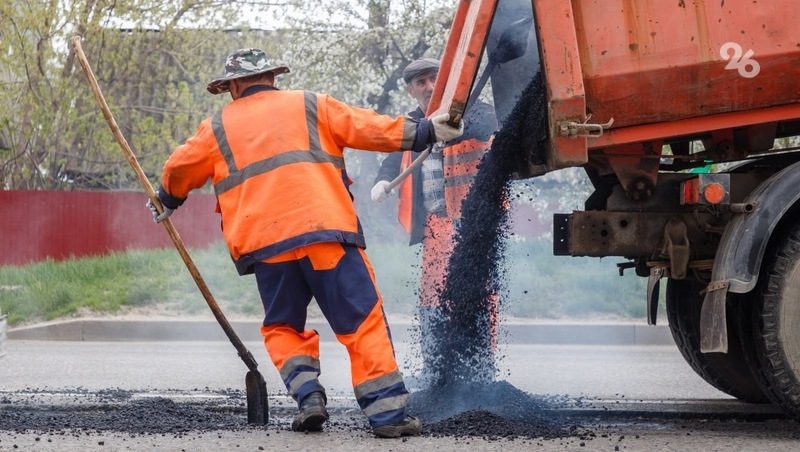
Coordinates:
<point>342,281</point>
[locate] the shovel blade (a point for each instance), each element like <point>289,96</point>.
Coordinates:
<point>257,403</point>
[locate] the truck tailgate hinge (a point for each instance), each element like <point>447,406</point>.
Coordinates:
<point>574,129</point>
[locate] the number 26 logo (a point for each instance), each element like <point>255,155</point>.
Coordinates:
<point>741,61</point>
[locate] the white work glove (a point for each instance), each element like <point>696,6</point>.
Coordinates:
<point>379,192</point>
<point>443,130</point>
<point>159,217</point>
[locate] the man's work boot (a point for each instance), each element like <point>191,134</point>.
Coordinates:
<point>409,426</point>
<point>312,414</point>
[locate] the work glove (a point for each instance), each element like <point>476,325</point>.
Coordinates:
<point>159,217</point>
<point>379,192</point>
<point>437,148</point>
<point>443,130</point>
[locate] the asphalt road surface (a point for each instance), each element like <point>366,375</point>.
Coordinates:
<point>189,396</point>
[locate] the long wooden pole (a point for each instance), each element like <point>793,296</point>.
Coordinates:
<point>245,354</point>
<point>400,177</point>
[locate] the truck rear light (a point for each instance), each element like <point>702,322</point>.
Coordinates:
<point>714,193</point>
<point>690,194</point>
<point>709,189</point>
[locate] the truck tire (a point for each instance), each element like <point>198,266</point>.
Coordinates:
<point>773,319</point>
<point>727,372</point>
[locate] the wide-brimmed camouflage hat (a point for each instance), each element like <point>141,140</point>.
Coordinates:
<point>244,63</point>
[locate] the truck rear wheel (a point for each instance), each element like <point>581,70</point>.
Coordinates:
<point>727,372</point>
<point>774,320</point>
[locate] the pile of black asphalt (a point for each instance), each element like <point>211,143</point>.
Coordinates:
<point>495,410</point>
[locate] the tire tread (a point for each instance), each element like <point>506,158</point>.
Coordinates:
<point>723,372</point>
<point>781,384</point>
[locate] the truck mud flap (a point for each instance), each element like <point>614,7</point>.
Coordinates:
<point>714,320</point>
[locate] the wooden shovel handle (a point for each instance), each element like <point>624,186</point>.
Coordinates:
<point>148,188</point>
<point>400,177</point>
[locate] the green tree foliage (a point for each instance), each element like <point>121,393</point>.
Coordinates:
<point>357,50</point>
<point>153,59</point>
<point>52,133</point>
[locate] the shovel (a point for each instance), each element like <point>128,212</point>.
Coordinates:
<point>257,404</point>
<point>512,44</point>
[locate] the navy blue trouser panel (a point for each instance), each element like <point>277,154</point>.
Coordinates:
<point>346,294</point>
<point>284,293</point>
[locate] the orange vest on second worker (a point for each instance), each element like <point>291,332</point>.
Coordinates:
<point>460,164</point>
<point>275,159</point>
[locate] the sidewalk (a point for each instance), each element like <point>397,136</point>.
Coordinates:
<point>515,332</point>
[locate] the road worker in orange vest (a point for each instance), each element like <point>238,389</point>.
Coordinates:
<point>430,199</point>
<point>275,160</point>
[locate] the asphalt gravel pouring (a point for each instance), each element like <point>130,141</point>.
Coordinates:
<point>462,395</point>
<point>462,334</point>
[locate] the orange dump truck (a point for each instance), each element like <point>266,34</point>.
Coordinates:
<point>685,115</point>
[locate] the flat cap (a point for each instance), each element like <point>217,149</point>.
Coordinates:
<point>419,67</point>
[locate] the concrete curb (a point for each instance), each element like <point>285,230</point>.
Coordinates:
<point>3,327</point>
<point>209,330</point>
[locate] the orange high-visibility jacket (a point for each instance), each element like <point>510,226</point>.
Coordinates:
<point>460,165</point>
<point>275,159</point>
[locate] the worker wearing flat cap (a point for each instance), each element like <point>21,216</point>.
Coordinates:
<point>430,199</point>
<point>274,158</point>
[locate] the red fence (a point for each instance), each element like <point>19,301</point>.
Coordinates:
<point>35,225</point>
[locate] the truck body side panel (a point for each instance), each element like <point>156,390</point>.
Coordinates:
<point>646,61</point>
<point>653,62</point>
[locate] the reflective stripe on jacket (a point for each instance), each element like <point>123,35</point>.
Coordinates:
<point>460,167</point>
<point>275,159</point>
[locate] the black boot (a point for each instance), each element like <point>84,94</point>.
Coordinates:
<point>312,413</point>
<point>409,426</point>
